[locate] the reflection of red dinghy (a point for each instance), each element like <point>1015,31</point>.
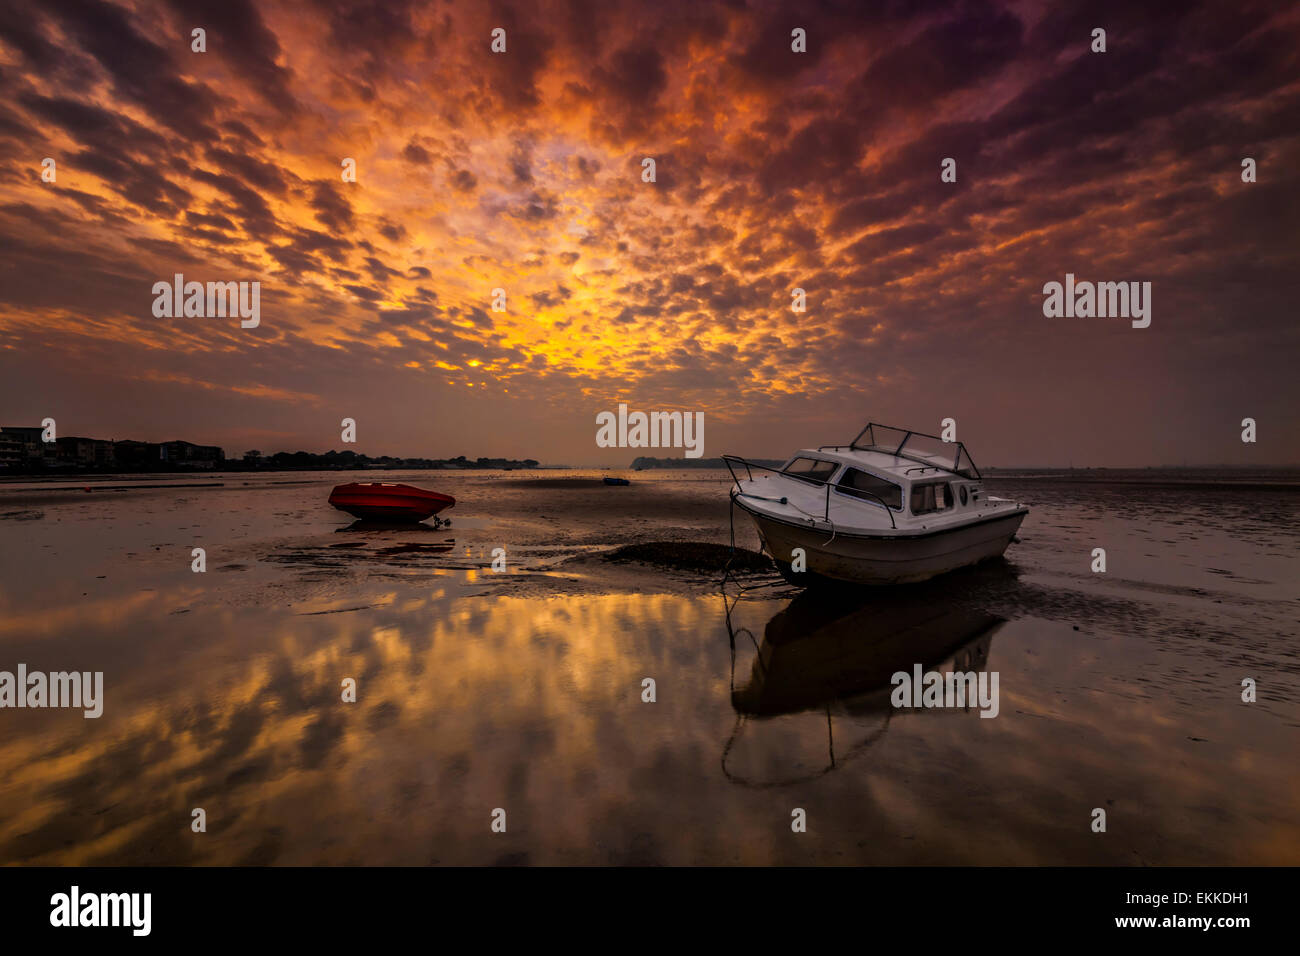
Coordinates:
<point>384,501</point>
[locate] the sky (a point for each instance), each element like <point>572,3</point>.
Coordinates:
<point>523,171</point>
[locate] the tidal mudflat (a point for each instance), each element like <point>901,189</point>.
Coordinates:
<point>523,690</point>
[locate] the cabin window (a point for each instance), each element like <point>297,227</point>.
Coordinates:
<point>861,484</point>
<point>811,469</point>
<point>931,497</point>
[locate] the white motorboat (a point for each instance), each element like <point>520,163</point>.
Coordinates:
<point>891,507</point>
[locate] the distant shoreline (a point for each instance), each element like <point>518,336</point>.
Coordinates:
<point>1190,479</point>
<point>676,464</point>
<point>1256,483</point>
<point>239,468</point>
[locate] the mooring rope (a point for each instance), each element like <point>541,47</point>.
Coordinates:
<point>854,751</point>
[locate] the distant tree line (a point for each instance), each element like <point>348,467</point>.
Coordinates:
<point>640,464</point>
<point>344,460</point>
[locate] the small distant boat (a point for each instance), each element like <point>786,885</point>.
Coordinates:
<point>616,481</point>
<point>387,501</point>
<point>891,507</point>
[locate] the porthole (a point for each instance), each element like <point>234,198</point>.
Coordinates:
<point>962,494</point>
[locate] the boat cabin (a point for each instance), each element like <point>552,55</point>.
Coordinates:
<point>906,472</point>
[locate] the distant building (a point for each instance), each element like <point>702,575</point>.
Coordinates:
<point>12,452</point>
<point>86,452</point>
<point>137,454</point>
<point>22,450</point>
<point>22,444</point>
<point>187,453</point>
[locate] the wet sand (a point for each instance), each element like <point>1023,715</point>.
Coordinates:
<point>523,690</point>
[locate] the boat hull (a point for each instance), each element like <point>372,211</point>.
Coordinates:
<point>389,503</point>
<point>885,559</point>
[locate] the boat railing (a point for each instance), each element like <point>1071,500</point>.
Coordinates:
<point>962,463</point>
<point>861,495</point>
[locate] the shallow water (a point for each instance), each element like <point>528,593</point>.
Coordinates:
<point>523,690</point>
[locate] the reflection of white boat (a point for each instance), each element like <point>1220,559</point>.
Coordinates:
<point>839,653</point>
<point>891,507</point>
<point>817,651</point>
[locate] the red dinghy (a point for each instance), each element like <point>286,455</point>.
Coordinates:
<point>384,501</point>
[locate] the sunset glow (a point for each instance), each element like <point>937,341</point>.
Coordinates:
<point>522,171</point>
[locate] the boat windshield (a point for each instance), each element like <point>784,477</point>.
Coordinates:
<point>811,469</point>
